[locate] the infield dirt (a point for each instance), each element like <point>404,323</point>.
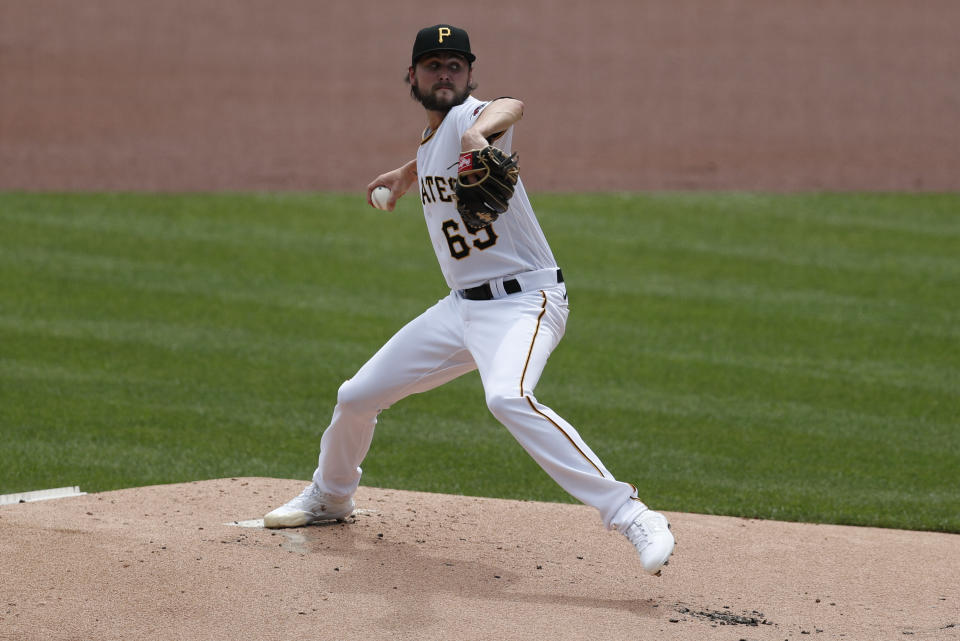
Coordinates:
<point>178,562</point>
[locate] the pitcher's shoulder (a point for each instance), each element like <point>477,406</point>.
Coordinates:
<point>470,108</point>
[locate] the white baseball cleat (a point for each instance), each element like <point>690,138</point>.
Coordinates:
<point>650,534</point>
<point>310,506</point>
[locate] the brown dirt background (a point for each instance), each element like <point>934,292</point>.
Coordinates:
<point>187,95</point>
<point>164,562</point>
<point>298,95</point>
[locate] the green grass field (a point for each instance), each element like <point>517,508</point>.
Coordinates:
<point>790,357</point>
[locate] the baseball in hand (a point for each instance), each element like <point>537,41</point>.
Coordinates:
<point>379,197</point>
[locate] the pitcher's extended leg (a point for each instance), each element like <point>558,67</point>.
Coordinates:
<point>511,358</point>
<point>425,353</point>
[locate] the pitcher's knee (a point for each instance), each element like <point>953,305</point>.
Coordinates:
<point>503,406</point>
<point>356,398</point>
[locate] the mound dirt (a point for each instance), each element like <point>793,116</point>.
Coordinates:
<point>192,561</point>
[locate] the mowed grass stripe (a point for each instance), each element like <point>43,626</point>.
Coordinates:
<point>846,258</point>
<point>171,337</point>
<point>916,214</point>
<point>813,347</point>
<point>213,284</point>
<point>219,403</point>
<point>769,419</point>
<point>140,217</point>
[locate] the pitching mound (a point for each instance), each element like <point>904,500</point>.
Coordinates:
<point>190,561</point>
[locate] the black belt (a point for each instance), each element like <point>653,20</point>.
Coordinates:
<point>485,292</point>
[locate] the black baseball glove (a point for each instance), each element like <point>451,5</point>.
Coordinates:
<point>486,179</point>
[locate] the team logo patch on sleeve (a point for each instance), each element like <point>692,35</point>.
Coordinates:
<point>477,110</point>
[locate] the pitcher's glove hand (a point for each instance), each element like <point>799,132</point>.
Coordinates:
<point>486,180</point>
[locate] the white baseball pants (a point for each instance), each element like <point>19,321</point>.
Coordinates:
<point>509,340</point>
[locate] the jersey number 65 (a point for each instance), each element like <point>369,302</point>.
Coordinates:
<point>459,246</point>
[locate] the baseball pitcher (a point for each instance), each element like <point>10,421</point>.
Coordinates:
<point>505,313</point>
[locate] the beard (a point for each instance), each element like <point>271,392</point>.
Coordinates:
<point>431,102</point>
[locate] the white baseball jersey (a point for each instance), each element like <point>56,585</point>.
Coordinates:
<point>513,244</point>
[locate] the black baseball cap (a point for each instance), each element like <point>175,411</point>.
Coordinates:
<point>442,37</point>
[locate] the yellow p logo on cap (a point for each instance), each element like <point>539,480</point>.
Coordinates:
<point>444,32</point>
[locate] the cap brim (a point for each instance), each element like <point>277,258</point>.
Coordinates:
<point>466,54</point>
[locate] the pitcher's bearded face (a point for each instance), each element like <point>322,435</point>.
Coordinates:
<point>440,82</point>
